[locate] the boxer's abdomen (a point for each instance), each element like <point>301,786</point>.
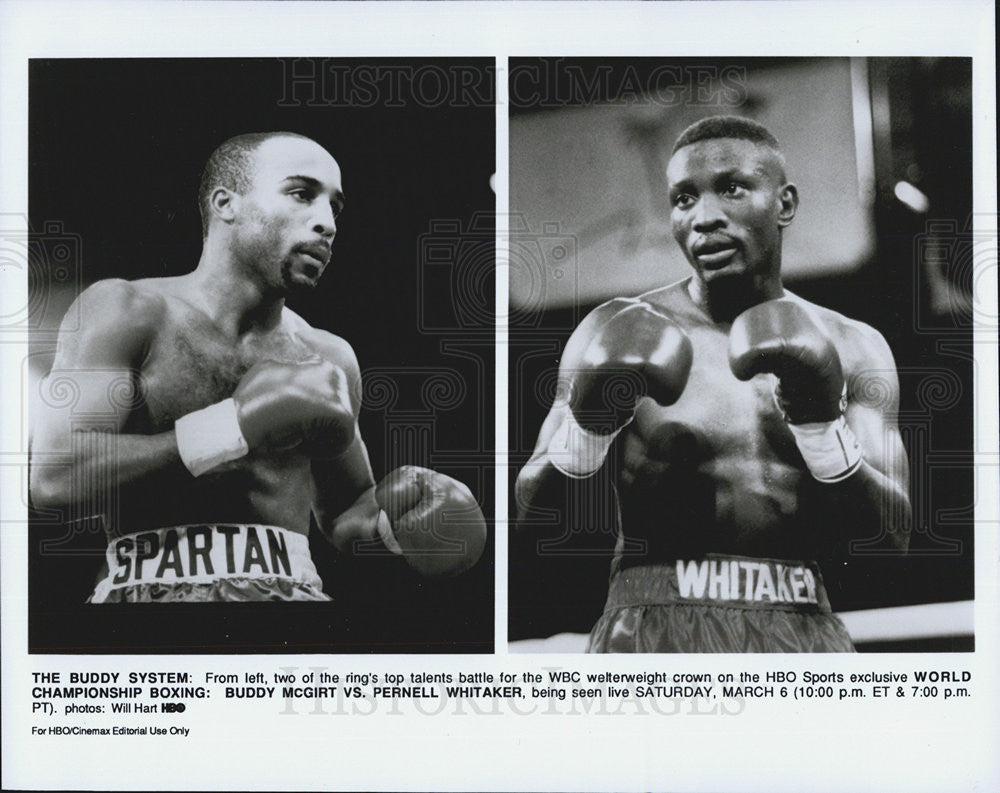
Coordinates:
<point>188,368</point>
<point>276,492</point>
<point>716,472</point>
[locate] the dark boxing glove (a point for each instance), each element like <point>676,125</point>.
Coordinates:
<point>638,352</point>
<point>275,407</point>
<point>779,337</point>
<point>431,519</point>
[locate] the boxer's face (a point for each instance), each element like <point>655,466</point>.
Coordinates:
<point>286,221</point>
<point>728,204</point>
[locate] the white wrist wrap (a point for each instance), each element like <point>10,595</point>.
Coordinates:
<point>385,533</point>
<point>576,452</point>
<point>210,437</point>
<point>829,448</point>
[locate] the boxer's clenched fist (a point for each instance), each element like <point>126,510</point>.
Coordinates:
<point>276,407</point>
<point>434,520</point>
<point>779,337</point>
<point>286,405</point>
<point>638,352</point>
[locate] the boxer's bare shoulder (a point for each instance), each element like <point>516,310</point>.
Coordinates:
<point>864,352</point>
<point>675,301</point>
<point>117,321</point>
<point>672,300</point>
<point>672,297</point>
<point>584,332</point>
<point>327,345</point>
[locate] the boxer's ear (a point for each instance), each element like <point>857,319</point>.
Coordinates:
<point>788,203</point>
<point>222,201</point>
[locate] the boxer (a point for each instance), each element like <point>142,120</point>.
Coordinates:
<point>210,423</point>
<point>747,432</point>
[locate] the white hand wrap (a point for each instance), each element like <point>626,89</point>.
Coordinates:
<point>385,533</point>
<point>576,452</point>
<point>210,437</point>
<point>829,448</point>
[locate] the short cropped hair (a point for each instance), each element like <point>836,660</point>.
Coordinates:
<point>231,166</point>
<point>730,127</point>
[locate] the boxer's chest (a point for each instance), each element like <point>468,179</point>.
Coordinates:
<point>191,365</point>
<point>720,425</point>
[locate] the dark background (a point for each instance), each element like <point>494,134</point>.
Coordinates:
<point>116,150</point>
<point>922,134</point>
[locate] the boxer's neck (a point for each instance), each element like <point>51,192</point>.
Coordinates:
<point>724,300</point>
<point>233,299</point>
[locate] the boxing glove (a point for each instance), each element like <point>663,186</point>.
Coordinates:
<point>275,407</point>
<point>284,405</point>
<point>431,519</point>
<point>779,337</point>
<point>638,352</point>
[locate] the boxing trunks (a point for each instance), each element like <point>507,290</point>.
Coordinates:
<point>209,562</point>
<point>719,604</point>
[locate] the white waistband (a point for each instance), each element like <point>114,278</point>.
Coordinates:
<point>205,553</point>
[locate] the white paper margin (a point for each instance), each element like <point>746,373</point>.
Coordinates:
<point>768,746</point>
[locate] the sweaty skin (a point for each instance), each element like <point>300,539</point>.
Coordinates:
<point>150,351</point>
<point>184,362</point>
<point>719,471</point>
<point>721,463</point>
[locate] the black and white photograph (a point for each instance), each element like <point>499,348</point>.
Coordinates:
<point>741,355</point>
<point>509,395</point>
<point>262,298</point>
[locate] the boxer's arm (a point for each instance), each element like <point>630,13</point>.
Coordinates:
<point>855,453</point>
<point>88,396</point>
<point>874,501</point>
<point>430,519</point>
<point>540,485</point>
<point>344,506</point>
